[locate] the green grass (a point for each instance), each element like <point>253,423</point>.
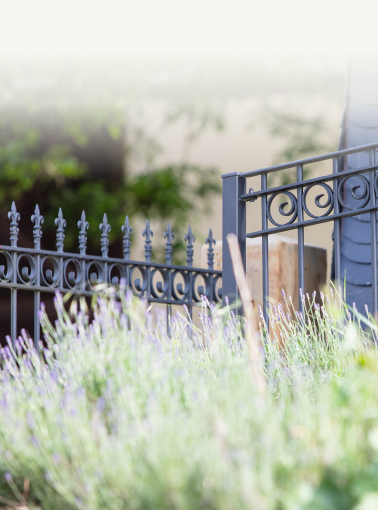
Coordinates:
<point>116,415</point>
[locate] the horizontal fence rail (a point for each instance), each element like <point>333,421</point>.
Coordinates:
<point>296,211</point>
<point>39,270</point>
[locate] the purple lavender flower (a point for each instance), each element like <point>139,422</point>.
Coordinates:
<point>34,441</point>
<point>8,477</point>
<point>100,405</point>
<point>18,346</point>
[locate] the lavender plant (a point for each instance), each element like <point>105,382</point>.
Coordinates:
<point>114,414</point>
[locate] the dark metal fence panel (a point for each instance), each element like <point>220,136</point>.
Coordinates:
<point>296,213</point>
<point>39,270</point>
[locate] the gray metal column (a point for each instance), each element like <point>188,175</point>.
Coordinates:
<point>234,222</point>
<point>301,263</point>
<point>373,229</point>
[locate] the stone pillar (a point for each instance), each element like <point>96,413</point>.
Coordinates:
<point>283,267</point>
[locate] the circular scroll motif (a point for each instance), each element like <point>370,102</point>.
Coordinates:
<point>293,211</point>
<point>201,290</point>
<point>364,196</point>
<point>26,273</point>
<point>217,288</point>
<point>180,290</point>
<point>159,290</point>
<point>95,273</point>
<point>50,277</point>
<point>328,204</point>
<point>139,285</point>
<point>73,278</point>
<point>114,278</point>
<point>6,271</point>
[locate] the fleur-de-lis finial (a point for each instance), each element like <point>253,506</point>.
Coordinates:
<point>169,236</point>
<point>60,222</point>
<point>148,234</point>
<point>105,229</point>
<point>14,216</point>
<point>83,226</point>
<point>189,238</point>
<point>127,231</point>
<point>38,220</point>
<point>210,241</point>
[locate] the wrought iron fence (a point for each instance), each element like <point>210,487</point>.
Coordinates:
<point>40,270</point>
<point>345,192</point>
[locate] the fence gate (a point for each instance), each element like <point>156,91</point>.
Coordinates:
<point>343,192</point>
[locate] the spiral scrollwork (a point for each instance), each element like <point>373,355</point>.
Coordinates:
<point>73,277</point>
<point>199,289</point>
<point>180,290</point>
<point>293,210</point>
<point>95,274</point>
<point>159,290</point>
<point>362,197</point>
<point>26,273</point>
<point>328,205</point>
<point>217,288</point>
<point>6,271</point>
<point>115,278</point>
<point>50,277</point>
<point>139,285</point>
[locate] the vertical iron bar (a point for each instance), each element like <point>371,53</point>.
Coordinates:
<point>169,236</point>
<point>373,227</point>
<point>83,225</point>
<point>14,216</point>
<point>14,303</point>
<point>265,254</point>
<point>234,222</point>
<point>190,239</point>
<point>301,268</point>
<point>336,226</point>
<point>127,231</point>
<point>37,219</point>
<point>37,304</point>
<point>61,223</point>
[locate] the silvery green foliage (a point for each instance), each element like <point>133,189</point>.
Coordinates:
<point>114,414</point>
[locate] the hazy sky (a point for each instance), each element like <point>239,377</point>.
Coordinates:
<point>200,28</point>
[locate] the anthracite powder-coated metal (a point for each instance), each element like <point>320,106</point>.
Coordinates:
<point>348,193</point>
<point>39,270</point>
<point>331,203</point>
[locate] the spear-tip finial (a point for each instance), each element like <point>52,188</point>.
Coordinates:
<point>169,236</point>
<point>83,226</point>
<point>189,239</point>
<point>14,217</point>
<point>127,231</point>
<point>38,220</point>
<point>61,223</point>
<point>210,241</point>
<point>148,234</point>
<point>105,229</point>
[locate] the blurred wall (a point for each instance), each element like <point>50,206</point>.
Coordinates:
<point>240,148</point>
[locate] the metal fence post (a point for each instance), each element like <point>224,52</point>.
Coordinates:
<point>234,222</point>
<point>336,227</point>
<point>373,229</point>
<point>301,262</point>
